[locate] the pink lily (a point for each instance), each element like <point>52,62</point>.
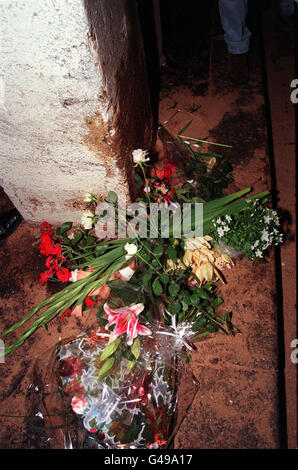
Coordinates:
<point>126,321</point>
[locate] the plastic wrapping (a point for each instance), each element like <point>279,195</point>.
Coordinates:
<point>228,250</point>
<point>126,409</point>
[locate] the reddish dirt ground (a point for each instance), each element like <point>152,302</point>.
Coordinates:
<point>236,404</point>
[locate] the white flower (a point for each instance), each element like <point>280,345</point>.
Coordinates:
<point>86,220</point>
<point>220,232</point>
<point>74,276</point>
<point>267,219</point>
<point>139,156</point>
<point>88,198</point>
<point>265,236</point>
<point>131,249</point>
<point>255,245</point>
<point>228,218</point>
<point>259,254</point>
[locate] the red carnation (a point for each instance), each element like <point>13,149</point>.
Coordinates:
<point>89,302</point>
<point>63,274</point>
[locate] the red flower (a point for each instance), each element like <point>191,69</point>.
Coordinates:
<point>126,321</point>
<point>45,226</point>
<point>167,172</point>
<point>89,302</point>
<point>46,244</point>
<point>66,313</point>
<point>57,250</point>
<point>49,261</point>
<point>45,276</point>
<point>63,274</point>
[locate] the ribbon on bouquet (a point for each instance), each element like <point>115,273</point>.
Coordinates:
<point>179,330</point>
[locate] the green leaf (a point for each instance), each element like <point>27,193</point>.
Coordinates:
<point>172,253</point>
<point>136,348</point>
<point>176,308</point>
<point>110,349</point>
<point>164,278</point>
<point>65,227</point>
<point>106,366</point>
<point>211,328</point>
<point>90,239</point>
<point>195,299</point>
<point>185,128</point>
<point>174,289</point>
<point>202,293</point>
<point>157,287</point>
<point>112,196</point>
<point>155,263</point>
<point>158,251</point>
<point>147,277</point>
<point>138,179</point>
<point>77,239</point>
<point>218,301</point>
<point>130,365</point>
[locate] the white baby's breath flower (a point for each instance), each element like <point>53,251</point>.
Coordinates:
<point>86,220</point>
<point>267,219</point>
<point>139,156</point>
<point>255,244</point>
<point>220,232</point>
<point>265,236</point>
<point>131,249</point>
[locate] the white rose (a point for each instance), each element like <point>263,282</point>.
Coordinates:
<point>131,249</point>
<point>139,156</point>
<point>86,220</point>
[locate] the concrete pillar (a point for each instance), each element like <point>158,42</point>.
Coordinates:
<point>74,103</point>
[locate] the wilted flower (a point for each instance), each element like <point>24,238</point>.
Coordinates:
<point>205,261</point>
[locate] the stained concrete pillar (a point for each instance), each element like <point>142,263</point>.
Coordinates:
<point>74,103</point>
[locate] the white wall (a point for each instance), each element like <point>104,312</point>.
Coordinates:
<point>50,84</point>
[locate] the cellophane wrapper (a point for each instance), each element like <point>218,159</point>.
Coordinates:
<point>127,409</point>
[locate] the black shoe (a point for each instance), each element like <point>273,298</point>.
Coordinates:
<point>9,221</point>
<point>238,68</point>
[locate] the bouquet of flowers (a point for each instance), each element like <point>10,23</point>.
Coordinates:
<point>129,407</point>
<point>152,275</point>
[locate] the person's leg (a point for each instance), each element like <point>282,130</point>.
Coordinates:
<point>237,35</point>
<point>287,7</point>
